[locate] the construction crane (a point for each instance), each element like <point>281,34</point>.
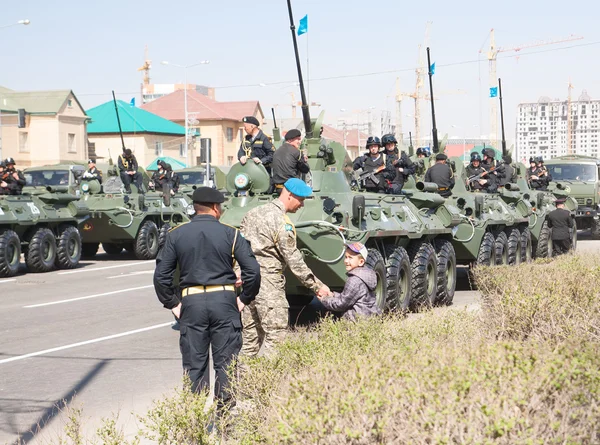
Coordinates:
<point>491,55</point>
<point>569,122</point>
<point>295,104</point>
<point>146,67</point>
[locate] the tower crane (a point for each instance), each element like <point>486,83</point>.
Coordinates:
<point>146,67</point>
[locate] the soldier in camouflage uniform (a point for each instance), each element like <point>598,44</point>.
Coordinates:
<point>273,239</point>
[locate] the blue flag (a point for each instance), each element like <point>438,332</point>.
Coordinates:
<point>303,28</point>
<point>493,91</point>
<point>432,68</point>
<point>132,102</point>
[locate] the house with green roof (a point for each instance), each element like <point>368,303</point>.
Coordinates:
<point>149,136</point>
<point>50,129</point>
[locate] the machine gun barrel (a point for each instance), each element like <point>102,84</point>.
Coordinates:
<point>436,147</point>
<point>118,121</point>
<point>276,133</point>
<point>411,149</point>
<point>427,186</point>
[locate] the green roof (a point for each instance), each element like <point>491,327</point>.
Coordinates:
<point>34,102</point>
<point>177,165</point>
<point>133,120</point>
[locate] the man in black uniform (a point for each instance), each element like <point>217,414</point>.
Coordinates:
<point>4,187</point>
<point>92,172</point>
<point>532,175</point>
<point>509,174</point>
<point>398,167</point>
<point>495,172</point>
<point>543,174</point>
<point>16,179</point>
<point>160,181</point>
<point>561,223</point>
<point>475,169</point>
<point>205,300</point>
<point>372,163</point>
<point>288,161</point>
<point>173,178</point>
<point>256,144</point>
<point>441,174</point>
<point>128,167</point>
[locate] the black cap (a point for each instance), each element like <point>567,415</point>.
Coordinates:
<point>251,120</point>
<point>91,161</point>
<point>292,134</point>
<point>208,195</point>
<point>440,157</point>
<point>128,152</point>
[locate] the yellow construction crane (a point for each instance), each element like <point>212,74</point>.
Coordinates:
<point>295,104</point>
<point>491,55</point>
<point>146,67</point>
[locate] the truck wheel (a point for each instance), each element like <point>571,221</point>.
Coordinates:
<point>41,254</point>
<point>162,234</point>
<point>515,247</point>
<point>112,248</point>
<point>68,249</point>
<point>424,279</point>
<point>487,251</point>
<point>376,263</point>
<point>398,275</point>
<point>89,250</point>
<point>595,228</point>
<point>544,244</point>
<point>446,284</point>
<point>146,242</point>
<point>10,253</point>
<point>501,246</point>
<point>526,246</point>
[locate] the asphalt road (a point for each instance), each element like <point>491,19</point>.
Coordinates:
<point>95,338</point>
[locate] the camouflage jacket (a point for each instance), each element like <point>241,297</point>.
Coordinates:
<point>273,239</point>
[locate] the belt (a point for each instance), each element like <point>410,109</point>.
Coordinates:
<point>278,186</point>
<point>442,189</point>
<point>204,289</point>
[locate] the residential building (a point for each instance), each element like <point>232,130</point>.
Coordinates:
<point>543,127</point>
<point>147,135</point>
<point>154,91</point>
<point>51,128</point>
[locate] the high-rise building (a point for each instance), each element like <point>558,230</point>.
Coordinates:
<point>543,128</point>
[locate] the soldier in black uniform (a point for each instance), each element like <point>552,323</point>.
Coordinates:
<point>288,160</point>
<point>509,174</point>
<point>532,175</point>
<point>373,163</point>
<point>543,174</point>
<point>561,223</point>
<point>256,144</point>
<point>441,174</point>
<point>398,167</point>
<point>4,186</point>
<point>16,179</point>
<point>92,172</point>
<point>474,169</point>
<point>160,181</point>
<point>496,174</point>
<point>205,300</point>
<point>173,178</point>
<point>128,167</point>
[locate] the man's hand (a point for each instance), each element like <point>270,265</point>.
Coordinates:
<point>534,177</point>
<point>483,181</point>
<point>243,160</point>
<point>257,160</point>
<point>238,281</point>
<point>324,291</point>
<point>151,184</point>
<point>177,311</point>
<point>3,184</point>
<point>172,193</point>
<point>400,169</point>
<point>15,175</point>
<point>241,305</point>
<point>131,173</point>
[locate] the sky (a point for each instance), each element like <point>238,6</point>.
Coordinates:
<point>355,49</point>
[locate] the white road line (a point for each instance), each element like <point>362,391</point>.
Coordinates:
<point>8,281</point>
<point>103,268</point>
<point>82,343</point>
<point>123,275</point>
<point>89,296</point>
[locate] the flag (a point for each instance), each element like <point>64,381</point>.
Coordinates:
<point>493,91</point>
<point>132,102</point>
<point>432,68</point>
<point>303,28</point>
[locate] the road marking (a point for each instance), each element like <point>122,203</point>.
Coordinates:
<point>123,275</point>
<point>8,281</point>
<point>83,343</point>
<point>89,296</point>
<point>102,268</point>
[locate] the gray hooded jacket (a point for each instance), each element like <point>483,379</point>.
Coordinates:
<point>358,297</point>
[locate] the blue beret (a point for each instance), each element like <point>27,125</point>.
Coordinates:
<point>298,187</point>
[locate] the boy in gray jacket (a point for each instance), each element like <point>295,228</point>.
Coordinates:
<point>358,296</point>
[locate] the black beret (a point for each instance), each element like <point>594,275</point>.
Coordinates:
<point>91,161</point>
<point>440,157</point>
<point>251,120</point>
<point>292,134</point>
<point>128,152</point>
<point>208,195</point>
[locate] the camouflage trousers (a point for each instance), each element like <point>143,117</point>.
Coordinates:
<point>265,320</point>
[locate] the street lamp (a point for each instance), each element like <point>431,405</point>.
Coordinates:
<point>20,22</point>
<point>185,67</point>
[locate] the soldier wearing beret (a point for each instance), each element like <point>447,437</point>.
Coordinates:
<point>273,239</point>
<point>441,174</point>
<point>288,160</point>
<point>92,172</point>
<point>128,167</point>
<point>256,144</point>
<point>205,300</point>
<point>561,223</point>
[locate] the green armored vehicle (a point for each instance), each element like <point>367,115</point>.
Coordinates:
<point>42,223</point>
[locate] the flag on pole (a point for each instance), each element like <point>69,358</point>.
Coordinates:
<point>132,102</point>
<point>303,28</point>
<point>493,91</point>
<point>432,68</point>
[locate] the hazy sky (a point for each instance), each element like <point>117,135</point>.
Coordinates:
<point>95,47</point>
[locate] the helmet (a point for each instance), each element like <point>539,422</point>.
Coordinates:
<point>532,160</point>
<point>489,152</point>
<point>2,164</point>
<point>426,151</point>
<point>539,159</point>
<point>388,138</point>
<point>373,140</point>
<point>9,161</point>
<point>475,157</point>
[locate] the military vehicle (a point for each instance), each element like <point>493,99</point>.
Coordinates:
<point>581,174</point>
<point>42,222</point>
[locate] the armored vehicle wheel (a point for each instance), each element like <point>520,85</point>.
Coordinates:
<point>544,244</point>
<point>526,246</point>
<point>112,248</point>
<point>398,275</point>
<point>10,253</point>
<point>146,242</point>
<point>595,228</point>
<point>446,284</point>
<point>501,246</point>
<point>515,247</point>
<point>424,278</point>
<point>487,251</point>
<point>41,254</point>
<point>162,234</point>
<point>68,249</point>
<point>375,261</point>
<point>89,250</point>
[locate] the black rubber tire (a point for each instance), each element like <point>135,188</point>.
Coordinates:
<point>446,284</point>
<point>398,276</point>
<point>501,246</point>
<point>112,248</point>
<point>146,242</point>
<point>595,228</point>
<point>515,247</point>
<point>544,244</point>
<point>68,248</point>
<point>41,254</point>
<point>487,251</point>
<point>526,246</point>
<point>162,234</point>
<point>89,250</point>
<point>424,279</point>
<point>10,253</point>
<point>376,262</point>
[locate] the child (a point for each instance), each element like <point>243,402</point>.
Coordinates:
<point>358,297</point>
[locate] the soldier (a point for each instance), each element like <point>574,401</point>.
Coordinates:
<point>92,172</point>
<point>373,163</point>
<point>495,174</point>
<point>4,187</point>
<point>288,161</point>
<point>161,181</point>
<point>256,145</point>
<point>532,175</point>
<point>510,173</point>
<point>398,167</point>
<point>205,302</point>
<point>543,174</point>
<point>128,167</point>
<point>273,239</point>
<point>441,174</point>
<point>422,163</point>
<point>173,179</point>
<point>16,180</point>
<point>561,223</point>
<point>475,169</point>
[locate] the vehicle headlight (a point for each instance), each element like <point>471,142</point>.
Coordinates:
<point>241,181</point>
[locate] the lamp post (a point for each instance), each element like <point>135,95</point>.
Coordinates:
<point>185,67</point>
<point>20,22</point>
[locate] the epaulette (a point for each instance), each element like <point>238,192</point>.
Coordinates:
<point>233,227</point>
<point>176,227</point>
